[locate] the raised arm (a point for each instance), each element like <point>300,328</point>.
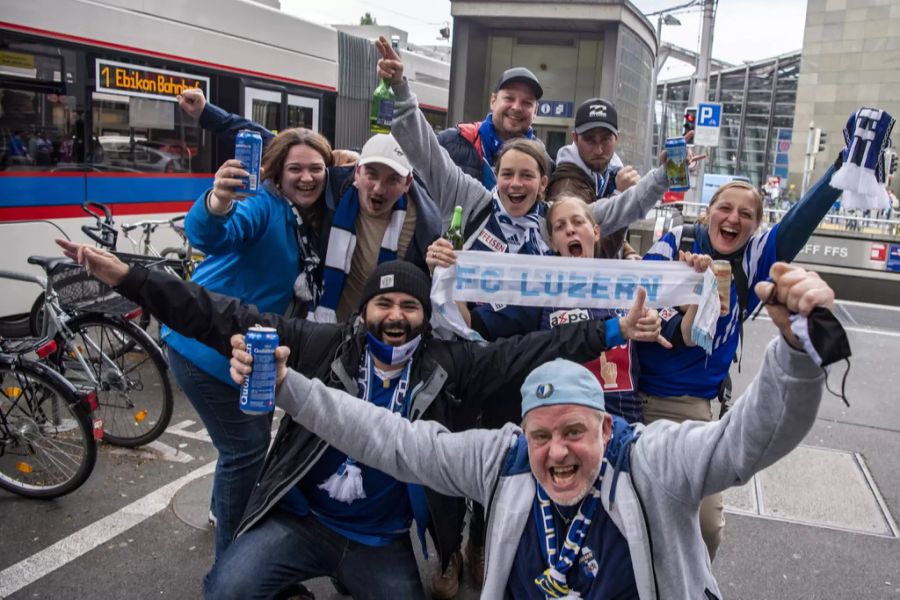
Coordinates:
<point>770,419</point>
<point>455,464</point>
<point>621,210</point>
<point>215,119</point>
<point>219,222</point>
<point>195,312</point>
<point>447,183</point>
<point>804,217</point>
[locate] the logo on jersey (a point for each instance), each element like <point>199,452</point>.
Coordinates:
<point>588,563</point>
<point>492,241</point>
<point>667,313</point>
<point>565,317</point>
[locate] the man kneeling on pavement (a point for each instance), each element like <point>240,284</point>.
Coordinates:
<point>581,505</point>
<point>317,511</point>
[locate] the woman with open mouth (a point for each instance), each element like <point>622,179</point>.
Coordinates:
<point>679,384</point>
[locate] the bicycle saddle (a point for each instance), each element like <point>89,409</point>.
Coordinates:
<point>48,263</point>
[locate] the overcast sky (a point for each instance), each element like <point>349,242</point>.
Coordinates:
<point>745,30</point>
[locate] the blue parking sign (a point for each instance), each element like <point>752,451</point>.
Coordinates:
<point>709,115</point>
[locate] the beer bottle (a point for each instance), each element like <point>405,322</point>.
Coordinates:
<point>382,108</point>
<point>454,234</point>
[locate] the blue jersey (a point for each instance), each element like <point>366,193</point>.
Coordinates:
<point>616,369</point>
<point>688,371</point>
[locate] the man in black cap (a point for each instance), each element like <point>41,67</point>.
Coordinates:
<point>593,148</point>
<point>315,511</point>
<point>472,146</point>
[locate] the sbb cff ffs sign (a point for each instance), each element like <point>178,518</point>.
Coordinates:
<point>145,82</point>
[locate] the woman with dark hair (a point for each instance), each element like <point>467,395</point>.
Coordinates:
<point>264,250</point>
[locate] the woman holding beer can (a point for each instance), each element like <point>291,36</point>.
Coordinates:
<point>679,384</point>
<point>263,249</point>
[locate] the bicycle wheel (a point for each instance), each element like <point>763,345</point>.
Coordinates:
<point>129,373</point>
<point>47,447</point>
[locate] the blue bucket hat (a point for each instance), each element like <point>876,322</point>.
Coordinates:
<point>561,382</point>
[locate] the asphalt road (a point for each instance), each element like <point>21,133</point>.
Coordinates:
<point>136,529</point>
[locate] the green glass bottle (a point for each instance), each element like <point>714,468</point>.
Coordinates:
<point>454,234</point>
<point>382,108</point>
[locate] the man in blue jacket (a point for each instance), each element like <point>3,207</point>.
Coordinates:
<point>472,146</point>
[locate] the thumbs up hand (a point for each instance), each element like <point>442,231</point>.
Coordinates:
<point>642,324</point>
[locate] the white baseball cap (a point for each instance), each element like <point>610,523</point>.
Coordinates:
<point>383,148</point>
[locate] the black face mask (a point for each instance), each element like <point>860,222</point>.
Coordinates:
<point>824,340</point>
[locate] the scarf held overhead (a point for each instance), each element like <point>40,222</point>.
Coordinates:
<point>862,176</point>
<point>553,281</point>
<point>342,245</point>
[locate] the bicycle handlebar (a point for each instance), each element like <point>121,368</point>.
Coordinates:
<point>103,234</point>
<point>91,208</point>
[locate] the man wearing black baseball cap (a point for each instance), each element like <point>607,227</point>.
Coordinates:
<point>593,148</point>
<point>320,512</point>
<point>473,146</point>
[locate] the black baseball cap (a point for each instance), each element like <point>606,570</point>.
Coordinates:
<point>595,113</point>
<point>520,75</point>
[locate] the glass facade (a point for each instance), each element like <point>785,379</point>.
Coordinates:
<point>633,78</point>
<point>757,101</point>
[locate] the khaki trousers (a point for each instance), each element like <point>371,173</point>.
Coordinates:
<point>691,408</point>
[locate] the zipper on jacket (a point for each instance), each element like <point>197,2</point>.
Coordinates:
<point>649,538</point>
<point>279,492</point>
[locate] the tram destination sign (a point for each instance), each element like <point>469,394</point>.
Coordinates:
<point>145,82</point>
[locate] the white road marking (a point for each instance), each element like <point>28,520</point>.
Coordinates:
<point>180,429</point>
<point>41,564</point>
<point>155,450</point>
<point>865,330</point>
<point>869,305</point>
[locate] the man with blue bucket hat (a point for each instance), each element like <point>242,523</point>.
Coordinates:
<point>581,504</point>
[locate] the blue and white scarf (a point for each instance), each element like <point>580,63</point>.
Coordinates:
<point>346,484</point>
<point>862,176</point>
<point>516,234</point>
<point>552,582</point>
<point>342,245</point>
<point>490,141</point>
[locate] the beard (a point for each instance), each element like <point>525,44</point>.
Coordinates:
<point>378,329</point>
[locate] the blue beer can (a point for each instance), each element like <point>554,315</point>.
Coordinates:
<point>258,391</point>
<point>248,147</point>
<point>677,165</point>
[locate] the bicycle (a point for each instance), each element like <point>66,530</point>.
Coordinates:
<point>105,234</point>
<point>102,351</point>
<point>48,442</point>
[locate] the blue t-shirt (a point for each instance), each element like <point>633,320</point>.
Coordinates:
<point>617,369</point>
<point>382,516</point>
<point>604,570</point>
<point>688,371</point>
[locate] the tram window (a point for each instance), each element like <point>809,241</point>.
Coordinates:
<point>300,116</point>
<point>39,131</point>
<point>145,135</point>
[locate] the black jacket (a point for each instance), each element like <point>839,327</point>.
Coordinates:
<point>449,381</point>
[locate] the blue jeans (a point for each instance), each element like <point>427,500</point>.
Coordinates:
<point>240,439</point>
<point>283,549</point>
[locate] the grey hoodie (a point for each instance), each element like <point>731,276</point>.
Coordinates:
<point>671,467</point>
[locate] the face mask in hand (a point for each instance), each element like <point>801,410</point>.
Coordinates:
<point>824,340</point>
